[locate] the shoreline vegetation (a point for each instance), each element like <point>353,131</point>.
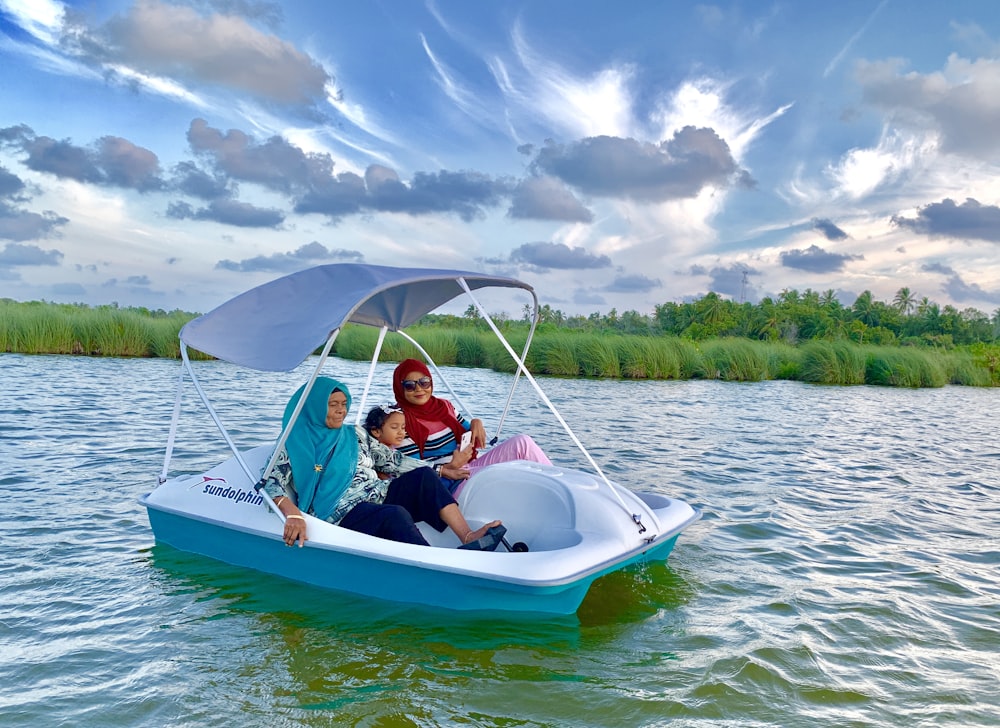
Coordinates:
<point>646,348</point>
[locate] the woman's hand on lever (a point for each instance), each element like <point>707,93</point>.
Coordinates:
<point>295,523</point>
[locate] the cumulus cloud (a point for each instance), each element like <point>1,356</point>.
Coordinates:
<point>110,162</point>
<point>557,255</point>
<point>17,254</point>
<point>131,284</point>
<point>960,101</point>
<point>306,256</point>
<point>816,260</point>
<point>961,291</point>
<point>189,179</point>
<point>19,224</point>
<point>127,165</point>
<point>632,284</point>
<point>309,178</point>
<point>467,194</point>
<point>228,212</point>
<point>10,184</point>
<point>68,289</point>
<point>218,49</point>
<point>968,220</point>
<point>341,195</point>
<point>585,297</point>
<point>547,198</point>
<point>275,164</point>
<point>956,287</point>
<point>938,268</point>
<point>729,280</point>
<point>613,167</point>
<point>829,230</point>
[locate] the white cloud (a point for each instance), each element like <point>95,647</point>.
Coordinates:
<point>862,171</point>
<point>832,65</point>
<point>43,19</point>
<point>578,106</point>
<point>160,85</point>
<point>702,102</point>
<point>464,97</point>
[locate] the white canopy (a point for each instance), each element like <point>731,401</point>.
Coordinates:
<point>275,326</point>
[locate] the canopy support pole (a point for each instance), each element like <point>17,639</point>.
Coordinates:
<point>371,374</point>
<point>174,419</point>
<point>291,422</point>
<point>521,367</point>
<point>212,413</point>
<point>517,373</point>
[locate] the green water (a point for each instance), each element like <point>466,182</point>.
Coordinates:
<point>844,573</point>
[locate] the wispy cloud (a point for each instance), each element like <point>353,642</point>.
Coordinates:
<point>835,61</point>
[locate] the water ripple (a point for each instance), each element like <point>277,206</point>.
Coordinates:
<point>844,572</point>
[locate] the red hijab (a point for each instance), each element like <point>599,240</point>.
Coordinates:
<point>434,410</point>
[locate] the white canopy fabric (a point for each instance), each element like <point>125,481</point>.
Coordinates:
<point>275,326</point>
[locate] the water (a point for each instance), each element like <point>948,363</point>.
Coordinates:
<point>845,572</point>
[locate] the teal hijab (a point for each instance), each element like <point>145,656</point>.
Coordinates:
<point>323,459</point>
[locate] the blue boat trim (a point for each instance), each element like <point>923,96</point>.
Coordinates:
<point>649,551</point>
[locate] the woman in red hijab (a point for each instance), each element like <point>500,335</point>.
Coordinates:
<point>434,430</point>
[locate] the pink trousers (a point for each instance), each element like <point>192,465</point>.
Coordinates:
<point>518,447</point>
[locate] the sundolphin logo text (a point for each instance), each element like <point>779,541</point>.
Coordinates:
<point>234,494</point>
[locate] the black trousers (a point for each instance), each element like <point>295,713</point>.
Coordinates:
<point>418,495</point>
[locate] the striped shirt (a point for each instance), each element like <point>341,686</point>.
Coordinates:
<point>440,440</point>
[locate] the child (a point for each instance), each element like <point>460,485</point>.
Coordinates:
<point>387,424</point>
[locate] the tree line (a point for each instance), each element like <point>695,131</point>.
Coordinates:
<point>790,317</point>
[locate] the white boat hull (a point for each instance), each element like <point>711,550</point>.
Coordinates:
<point>576,531</point>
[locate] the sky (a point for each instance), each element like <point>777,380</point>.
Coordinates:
<point>172,154</point>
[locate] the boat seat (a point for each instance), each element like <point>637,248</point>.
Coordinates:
<point>533,501</point>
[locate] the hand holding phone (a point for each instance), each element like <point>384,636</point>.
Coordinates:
<point>466,440</point>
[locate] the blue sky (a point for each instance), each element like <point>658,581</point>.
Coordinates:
<point>615,155</point>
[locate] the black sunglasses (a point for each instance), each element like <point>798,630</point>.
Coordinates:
<point>410,384</point>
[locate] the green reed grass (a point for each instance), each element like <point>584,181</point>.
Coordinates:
<point>649,357</point>
<point>164,341</point>
<point>598,356</point>
<point>687,355</point>
<point>784,361</point>
<point>987,358</point>
<point>904,367</point>
<point>556,355</point>
<point>833,362</point>
<point>35,329</point>
<point>117,333</point>
<point>47,328</point>
<point>735,360</point>
<point>470,349</point>
<point>635,357</point>
<point>963,368</point>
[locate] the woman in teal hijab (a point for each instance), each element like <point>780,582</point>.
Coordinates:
<point>319,472</point>
<point>323,453</point>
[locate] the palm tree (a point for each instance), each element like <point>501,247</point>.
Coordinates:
<point>712,308</point>
<point>865,310</point>
<point>905,301</point>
